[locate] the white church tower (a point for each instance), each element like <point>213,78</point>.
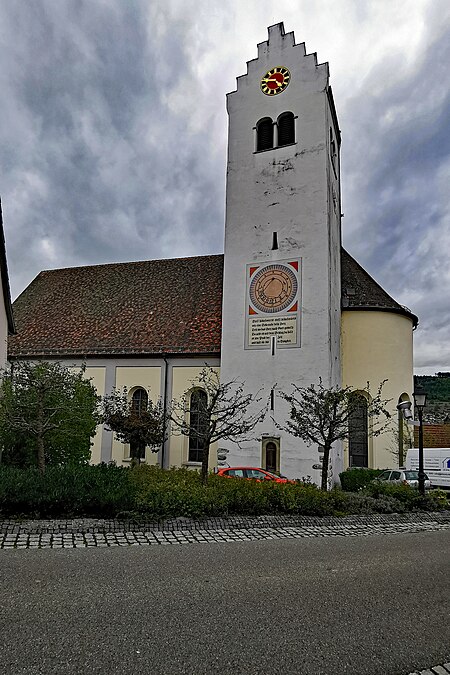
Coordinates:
<point>282,295</point>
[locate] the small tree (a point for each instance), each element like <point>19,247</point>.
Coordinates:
<point>140,425</point>
<point>221,415</point>
<point>321,415</point>
<point>48,414</point>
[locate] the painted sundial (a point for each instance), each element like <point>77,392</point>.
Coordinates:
<point>273,288</point>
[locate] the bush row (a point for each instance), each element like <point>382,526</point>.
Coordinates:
<point>107,491</point>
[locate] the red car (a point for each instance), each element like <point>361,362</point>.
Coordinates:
<point>251,472</point>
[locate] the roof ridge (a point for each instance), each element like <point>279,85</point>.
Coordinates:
<point>128,262</point>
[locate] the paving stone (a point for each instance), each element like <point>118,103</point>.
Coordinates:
<point>439,670</point>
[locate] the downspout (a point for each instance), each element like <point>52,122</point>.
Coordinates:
<point>165,405</point>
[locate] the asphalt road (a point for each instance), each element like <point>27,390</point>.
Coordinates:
<point>357,605</point>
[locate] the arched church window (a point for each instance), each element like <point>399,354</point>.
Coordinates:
<point>286,129</point>
<point>264,134</point>
<point>358,428</point>
<point>197,424</point>
<point>139,404</point>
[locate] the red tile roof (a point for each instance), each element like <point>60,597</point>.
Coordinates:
<point>169,306</point>
<point>434,435</point>
<point>360,291</point>
<point>154,307</point>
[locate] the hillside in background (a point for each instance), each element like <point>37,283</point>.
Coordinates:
<point>438,396</point>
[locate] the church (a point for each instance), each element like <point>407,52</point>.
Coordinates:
<point>285,302</point>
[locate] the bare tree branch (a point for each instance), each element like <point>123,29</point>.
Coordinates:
<point>321,415</point>
<point>222,415</point>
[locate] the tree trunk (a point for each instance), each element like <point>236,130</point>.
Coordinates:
<point>205,463</point>
<point>326,461</point>
<point>40,454</point>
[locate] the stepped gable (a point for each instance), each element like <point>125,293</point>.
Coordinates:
<point>361,292</point>
<point>278,36</point>
<point>153,307</point>
<point>171,306</point>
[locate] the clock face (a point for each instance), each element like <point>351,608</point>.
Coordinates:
<point>275,81</point>
<point>273,288</point>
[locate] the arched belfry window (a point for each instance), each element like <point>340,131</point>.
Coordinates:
<point>198,424</point>
<point>358,431</point>
<point>139,404</point>
<point>286,129</point>
<point>264,134</point>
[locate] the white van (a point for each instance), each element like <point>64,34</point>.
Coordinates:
<point>436,464</point>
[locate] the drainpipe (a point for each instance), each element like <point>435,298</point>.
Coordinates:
<point>400,438</point>
<point>163,446</point>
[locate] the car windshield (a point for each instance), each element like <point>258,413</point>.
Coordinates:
<point>276,475</point>
<point>414,475</point>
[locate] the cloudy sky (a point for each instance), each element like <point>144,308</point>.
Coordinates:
<point>113,133</point>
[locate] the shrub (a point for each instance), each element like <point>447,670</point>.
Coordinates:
<point>67,491</point>
<point>107,491</point>
<point>355,479</point>
<point>408,498</point>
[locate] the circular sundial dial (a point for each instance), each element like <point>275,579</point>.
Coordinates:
<point>273,288</point>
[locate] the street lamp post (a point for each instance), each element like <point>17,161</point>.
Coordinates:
<point>420,398</point>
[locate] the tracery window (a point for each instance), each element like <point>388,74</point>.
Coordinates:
<point>198,424</point>
<point>358,428</point>
<point>139,404</point>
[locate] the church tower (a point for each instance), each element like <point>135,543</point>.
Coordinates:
<point>282,296</point>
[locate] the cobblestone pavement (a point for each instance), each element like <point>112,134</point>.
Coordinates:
<point>104,533</point>
<point>443,669</point>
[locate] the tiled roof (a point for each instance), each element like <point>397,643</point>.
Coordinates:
<point>360,291</point>
<point>169,306</point>
<point>434,435</point>
<point>154,307</point>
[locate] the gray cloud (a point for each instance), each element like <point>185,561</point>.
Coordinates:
<point>396,187</point>
<point>113,136</point>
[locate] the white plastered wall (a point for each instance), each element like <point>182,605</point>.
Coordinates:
<point>287,190</point>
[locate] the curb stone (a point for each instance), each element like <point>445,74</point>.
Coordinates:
<point>100,525</point>
<point>443,669</point>
<point>80,538</point>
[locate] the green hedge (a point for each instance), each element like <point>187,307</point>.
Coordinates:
<point>97,491</point>
<point>356,479</point>
<point>107,491</point>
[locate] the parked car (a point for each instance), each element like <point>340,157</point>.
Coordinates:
<point>252,473</point>
<point>403,477</point>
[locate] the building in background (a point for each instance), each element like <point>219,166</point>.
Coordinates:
<point>285,303</point>
<point>6,313</point>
